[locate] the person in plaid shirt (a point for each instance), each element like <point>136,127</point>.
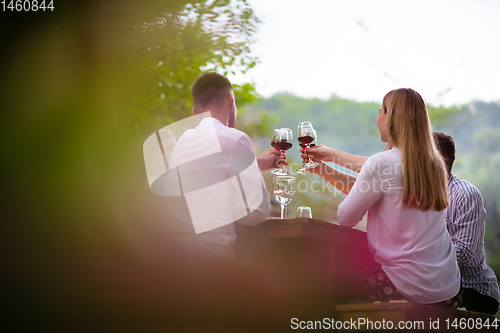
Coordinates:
<point>465,221</point>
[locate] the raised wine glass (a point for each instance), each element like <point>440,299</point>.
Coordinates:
<point>284,189</point>
<point>282,140</point>
<point>307,138</point>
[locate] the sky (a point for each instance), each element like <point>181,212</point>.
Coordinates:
<point>447,50</point>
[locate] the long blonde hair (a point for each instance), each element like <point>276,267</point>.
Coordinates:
<point>409,128</point>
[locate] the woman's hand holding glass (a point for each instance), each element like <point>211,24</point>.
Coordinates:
<point>318,153</point>
<point>307,138</point>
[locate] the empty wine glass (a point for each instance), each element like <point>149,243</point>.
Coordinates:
<point>304,212</point>
<point>307,138</point>
<point>284,189</point>
<point>282,140</point>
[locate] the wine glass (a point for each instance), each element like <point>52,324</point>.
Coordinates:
<point>284,189</point>
<point>307,138</point>
<point>282,140</point>
<point>304,212</point>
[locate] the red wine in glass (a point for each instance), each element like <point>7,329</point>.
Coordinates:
<point>282,141</point>
<point>281,145</point>
<point>305,141</point>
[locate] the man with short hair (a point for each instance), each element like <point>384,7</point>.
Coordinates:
<point>215,167</point>
<point>213,92</point>
<point>465,219</point>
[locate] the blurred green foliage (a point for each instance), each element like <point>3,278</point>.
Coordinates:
<point>173,42</point>
<point>82,87</point>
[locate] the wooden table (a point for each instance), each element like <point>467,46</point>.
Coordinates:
<point>316,265</point>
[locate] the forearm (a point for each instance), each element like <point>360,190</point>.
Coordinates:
<point>349,161</point>
<point>342,181</point>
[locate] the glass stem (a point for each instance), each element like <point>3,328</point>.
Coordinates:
<point>282,163</point>
<point>283,212</point>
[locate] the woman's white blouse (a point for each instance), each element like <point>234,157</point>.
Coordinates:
<point>412,246</point>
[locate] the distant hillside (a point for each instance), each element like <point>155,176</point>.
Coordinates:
<point>340,123</point>
<point>468,126</point>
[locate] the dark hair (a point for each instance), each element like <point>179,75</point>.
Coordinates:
<point>446,147</point>
<point>208,88</point>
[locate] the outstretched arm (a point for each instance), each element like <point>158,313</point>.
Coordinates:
<point>349,161</point>
<point>342,181</point>
<point>324,153</point>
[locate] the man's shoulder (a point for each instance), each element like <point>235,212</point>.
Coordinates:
<point>240,139</point>
<point>462,186</point>
<point>228,131</point>
<point>463,189</point>
<point>229,137</point>
<point>237,132</point>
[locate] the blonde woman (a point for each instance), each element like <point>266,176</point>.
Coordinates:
<point>404,190</point>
